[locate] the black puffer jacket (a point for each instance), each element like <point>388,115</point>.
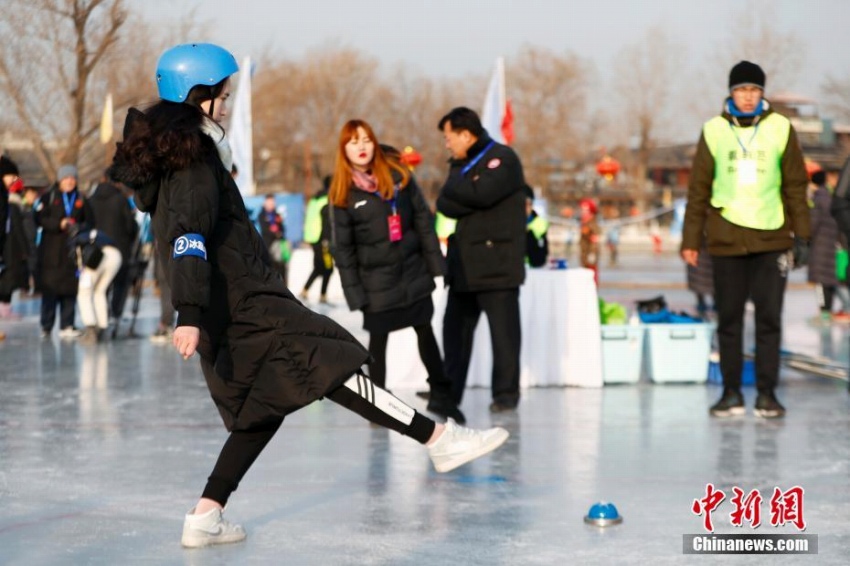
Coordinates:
<point>57,264</point>
<point>15,250</point>
<point>487,250</point>
<point>263,353</point>
<point>379,275</point>
<point>114,217</point>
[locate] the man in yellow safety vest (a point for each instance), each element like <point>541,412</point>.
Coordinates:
<point>747,195</point>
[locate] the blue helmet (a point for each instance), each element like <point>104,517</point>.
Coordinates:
<point>185,66</point>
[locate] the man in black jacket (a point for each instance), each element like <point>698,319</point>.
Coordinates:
<point>484,192</point>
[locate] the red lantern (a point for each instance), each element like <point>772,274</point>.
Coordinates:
<point>812,167</point>
<point>410,157</point>
<point>608,167</point>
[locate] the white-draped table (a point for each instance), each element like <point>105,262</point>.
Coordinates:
<point>561,343</point>
<point>561,336</point>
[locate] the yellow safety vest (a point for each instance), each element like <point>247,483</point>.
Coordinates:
<point>538,227</point>
<point>313,219</point>
<point>444,226</point>
<point>748,170</point>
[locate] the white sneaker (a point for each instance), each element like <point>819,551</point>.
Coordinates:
<point>459,445</point>
<point>209,528</point>
<point>69,332</point>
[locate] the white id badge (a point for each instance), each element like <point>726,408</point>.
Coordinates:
<point>746,172</point>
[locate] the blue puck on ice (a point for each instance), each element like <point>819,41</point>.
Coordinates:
<point>603,515</point>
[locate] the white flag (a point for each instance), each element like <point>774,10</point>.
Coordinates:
<point>494,103</point>
<point>242,131</point>
<point>106,120</point>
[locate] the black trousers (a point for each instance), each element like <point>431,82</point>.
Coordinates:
<point>326,278</point>
<point>462,313</point>
<point>762,278</point>
<point>120,290</point>
<point>242,447</point>
<point>67,307</point>
<point>429,353</point>
<point>166,308</point>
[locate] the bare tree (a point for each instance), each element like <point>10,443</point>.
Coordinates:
<point>66,56</point>
<point>836,93</point>
<point>46,72</point>
<point>645,82</point>
<point>758,38</point>
<point>300,106</point>
<point>548,95</point>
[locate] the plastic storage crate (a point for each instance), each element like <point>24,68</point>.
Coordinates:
<point>678,352</point>
<point>622,353</point>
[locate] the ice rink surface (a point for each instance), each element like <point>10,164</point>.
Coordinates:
<point>104,448</point>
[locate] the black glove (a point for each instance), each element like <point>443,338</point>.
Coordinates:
<point>800,252</point>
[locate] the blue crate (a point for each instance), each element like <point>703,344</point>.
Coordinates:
<point>748,375</point>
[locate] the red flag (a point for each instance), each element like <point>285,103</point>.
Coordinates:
<point>508,123</point>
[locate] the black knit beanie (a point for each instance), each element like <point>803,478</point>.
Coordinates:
<point>746,73</point>
<point>7,166</point>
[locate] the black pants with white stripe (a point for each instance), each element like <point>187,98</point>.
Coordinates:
<point>358,394</point>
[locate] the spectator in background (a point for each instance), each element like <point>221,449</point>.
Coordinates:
<point>612,236</point>
<point>317,234</point>
<point>30,198</point>
<point>165,328</point>
<point>61,213</point>
<point>486,253</point>
<point>98,260</point>
<point>117,221</point>
<point>747,201</point>
<point>824,241</point>
<point>536,229</point>
<point>13,244</point>
<point>590,235</point>
<point>842,259</point>
<point>274,236</point>
<point>8,170</point>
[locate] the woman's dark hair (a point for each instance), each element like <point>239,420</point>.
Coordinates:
<point>166,136</point>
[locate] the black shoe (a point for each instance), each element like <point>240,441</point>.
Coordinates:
<point>767,407</point>
<point>496,407</point>
<point>730,405</point>
<point>447,410</point>
<point>423,394</point>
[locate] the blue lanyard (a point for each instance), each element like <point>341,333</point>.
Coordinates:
<point>477,158</point>
<point>752,137</point>
<point>394,199</point>
<point>69,203</point>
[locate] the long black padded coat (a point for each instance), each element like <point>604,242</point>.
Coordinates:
<point>377,274</point>
<point>263,354</point>
<point>57,264</point>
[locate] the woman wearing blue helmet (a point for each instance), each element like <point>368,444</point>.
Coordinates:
<point>263,354</point>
